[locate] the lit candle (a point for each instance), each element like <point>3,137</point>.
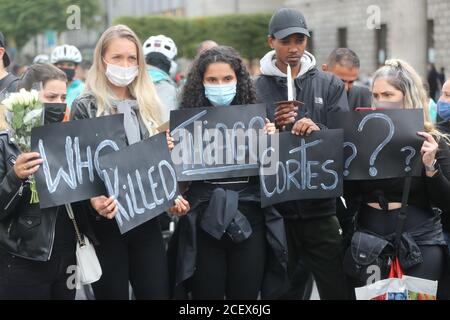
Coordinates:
<point>289,84</point>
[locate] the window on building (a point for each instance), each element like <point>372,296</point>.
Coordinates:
<point>430,41</point>
<point>342,38</point>
<point>381,44</point>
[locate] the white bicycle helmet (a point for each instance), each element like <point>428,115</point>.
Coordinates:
<point>162,44</point>
<point>66,53</point>
<point>41,58</point>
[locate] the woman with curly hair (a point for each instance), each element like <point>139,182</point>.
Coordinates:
<point>220,246</point>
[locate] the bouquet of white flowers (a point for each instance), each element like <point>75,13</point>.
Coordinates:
<point>26,112</point>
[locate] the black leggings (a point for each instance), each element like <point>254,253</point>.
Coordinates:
<point>226,269</point>
<point>383,223</point>
<point>23,279</point>
<point>137,257</point>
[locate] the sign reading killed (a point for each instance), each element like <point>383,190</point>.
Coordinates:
<point>380,144</point>
<point>213,143</point>
<point>307,168</point>
<point>70,151</point>
<point>144,184</point>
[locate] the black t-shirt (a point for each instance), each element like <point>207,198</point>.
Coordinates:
<point>8,84</point>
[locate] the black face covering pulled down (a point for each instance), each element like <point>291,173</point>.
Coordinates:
<point>54,112</point>
<point>70,73</point>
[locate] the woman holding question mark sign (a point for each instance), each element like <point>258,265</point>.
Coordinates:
<point>420,240</point>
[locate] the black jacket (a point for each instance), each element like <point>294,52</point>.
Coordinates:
<point>359,97</point>
<point>8,84</point>
<point>444,127</point>
<point>25,230</point>
<point>85,107</point>
<point>223,204</point>
<point>321,94</point>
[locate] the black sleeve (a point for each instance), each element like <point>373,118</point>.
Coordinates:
<point>438,186</point>
<point>337,96</point>
<point>10,184</point>
<point>80,109</point>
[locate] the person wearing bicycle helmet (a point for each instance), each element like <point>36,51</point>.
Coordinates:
<point>67,58</point>
<point>41,58</point>
<point>159,53</point>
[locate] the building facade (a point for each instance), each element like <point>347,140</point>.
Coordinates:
<point>415,30</point>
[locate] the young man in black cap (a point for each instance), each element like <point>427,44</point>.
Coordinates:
<point>313,231</point>
<point>8,82</point>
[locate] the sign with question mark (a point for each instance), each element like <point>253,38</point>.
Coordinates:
<point>380,144</point>
<point>373,157</point>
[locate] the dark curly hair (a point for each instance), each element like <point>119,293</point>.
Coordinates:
<point>193,95</point>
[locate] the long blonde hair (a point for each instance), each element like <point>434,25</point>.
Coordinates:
<point>404,78</point>
<point>141,88</point>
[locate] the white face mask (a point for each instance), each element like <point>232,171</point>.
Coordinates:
<point>120,76</point>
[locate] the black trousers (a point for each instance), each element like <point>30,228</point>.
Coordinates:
<point>225,269</point>
<point>23,279</point>
<point>318,244</point>
<point>137,257</point>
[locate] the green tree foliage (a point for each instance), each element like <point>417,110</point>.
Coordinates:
<point>21,20</point>
<point>247,33</point>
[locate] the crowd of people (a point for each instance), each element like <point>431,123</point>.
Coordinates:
<point>267,253</point>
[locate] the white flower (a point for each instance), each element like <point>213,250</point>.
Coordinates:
<point>7,103</point>
<point>35,95</point>
<point>27,98</point>
<point>33,114</point>
<point>23,97</point>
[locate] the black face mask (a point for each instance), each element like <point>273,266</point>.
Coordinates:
<point>70,73</point>
<point>54,112</point>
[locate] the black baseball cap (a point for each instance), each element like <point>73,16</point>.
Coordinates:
<point>285,22</point>
<point>6,60</point>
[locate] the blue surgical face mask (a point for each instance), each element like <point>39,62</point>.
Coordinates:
<point>443,109</point>
<point>220,95</point>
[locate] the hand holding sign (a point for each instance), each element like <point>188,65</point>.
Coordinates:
<point>269,128</point>
<point>428,151</point>
<point>304,126</point>
<point>286,113</point>
<point>181,207</point>
<point>170,140</point>
<point>106,207</point>
<point>27,164</point>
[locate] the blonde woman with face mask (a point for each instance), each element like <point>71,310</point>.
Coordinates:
<point>118,83</point>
